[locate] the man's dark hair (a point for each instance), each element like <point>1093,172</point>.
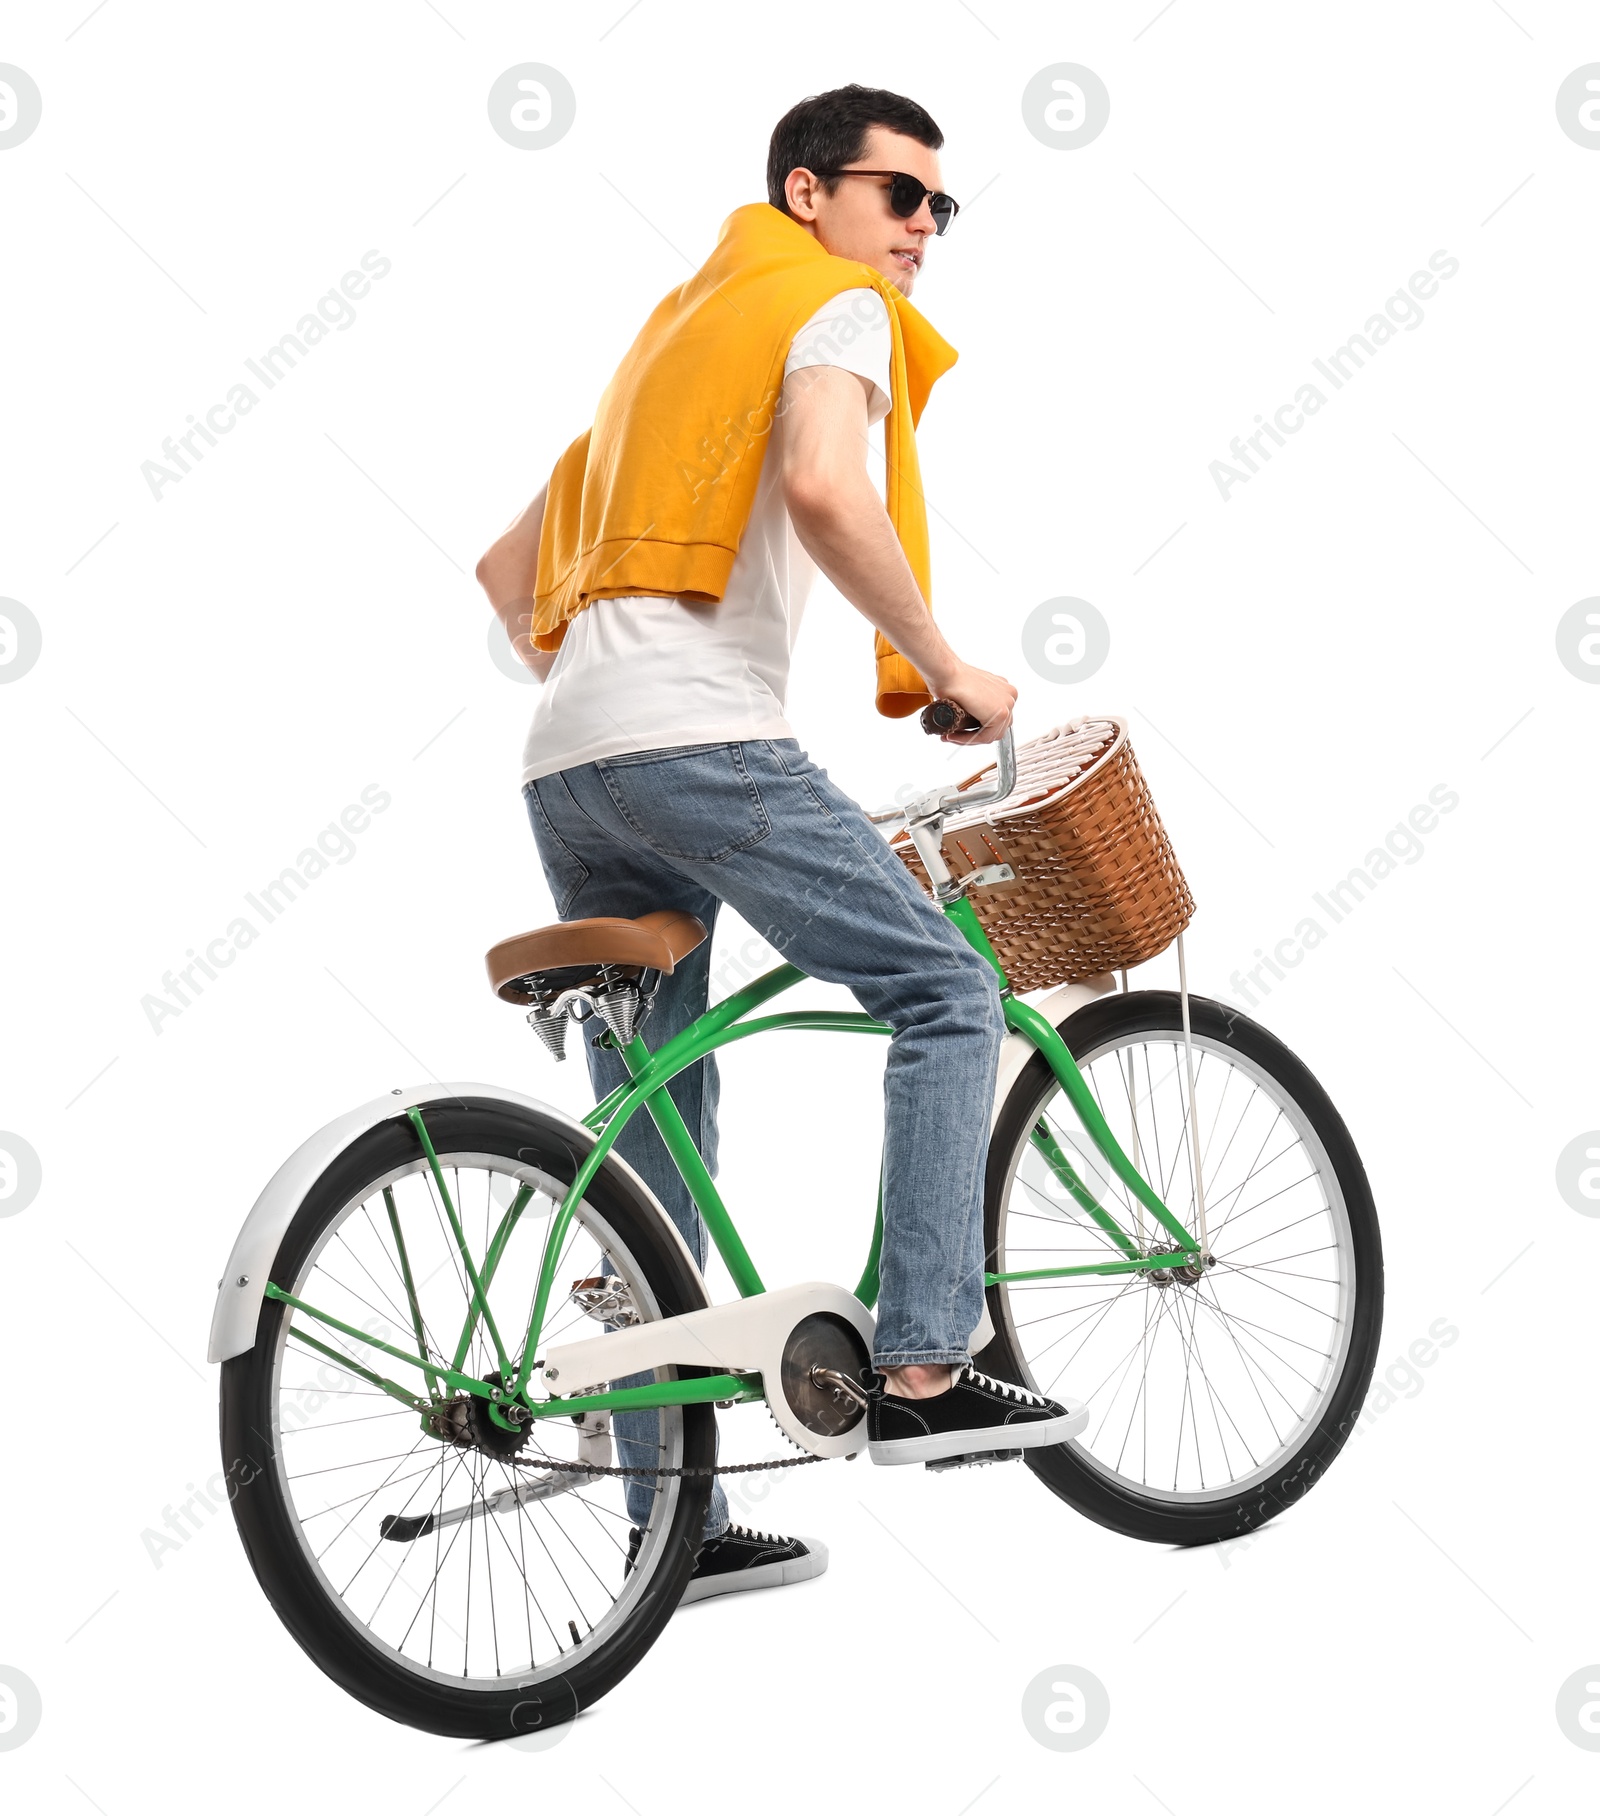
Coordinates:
<point>824,132</point>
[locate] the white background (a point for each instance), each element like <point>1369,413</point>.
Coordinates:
<point>225,669</point>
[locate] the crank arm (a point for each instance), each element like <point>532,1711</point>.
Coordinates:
<point>841,1384</point>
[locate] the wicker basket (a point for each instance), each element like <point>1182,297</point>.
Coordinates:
<point>1096,887</point>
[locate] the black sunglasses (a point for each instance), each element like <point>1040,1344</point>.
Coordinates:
<point>906,193</point>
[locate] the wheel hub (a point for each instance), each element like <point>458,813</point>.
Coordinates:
<point>465,1421</point>
<point>1189,1274</point>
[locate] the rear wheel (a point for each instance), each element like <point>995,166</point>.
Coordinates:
<point>421,1555</point>
<point>1219,1395</point>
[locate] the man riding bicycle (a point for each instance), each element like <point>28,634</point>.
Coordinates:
<point>656,586</point>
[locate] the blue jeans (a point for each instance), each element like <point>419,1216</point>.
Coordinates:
<point>761,827</point>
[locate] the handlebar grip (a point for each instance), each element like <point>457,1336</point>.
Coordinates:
<point>946,715</point>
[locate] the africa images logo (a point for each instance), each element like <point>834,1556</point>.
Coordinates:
<point>335,311</point>
<point>1402,310</point>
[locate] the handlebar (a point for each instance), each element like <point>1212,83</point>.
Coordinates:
<point>943,716</point>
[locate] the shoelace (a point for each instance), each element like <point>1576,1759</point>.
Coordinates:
<point>1008,1389</point>
<point>744,1532</point>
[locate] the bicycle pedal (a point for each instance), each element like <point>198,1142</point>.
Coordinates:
<point>606,1299</point>
<point>974,1459</point>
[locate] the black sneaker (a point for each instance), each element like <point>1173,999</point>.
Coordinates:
<point>742,1559</point>
<point>978,1417</point>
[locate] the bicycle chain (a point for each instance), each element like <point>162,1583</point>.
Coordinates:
<point>665,1469</point>
<point>668,1469</point>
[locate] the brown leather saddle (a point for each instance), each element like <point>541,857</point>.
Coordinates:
<point>572,953</point>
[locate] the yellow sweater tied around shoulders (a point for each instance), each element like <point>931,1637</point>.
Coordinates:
<point>655,497</point>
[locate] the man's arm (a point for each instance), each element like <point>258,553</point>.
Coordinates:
<point>842,523</point>
<point>506,573</point>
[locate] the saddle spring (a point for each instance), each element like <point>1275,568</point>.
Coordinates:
<point>622,1001</point>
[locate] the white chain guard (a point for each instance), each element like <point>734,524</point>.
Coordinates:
<point>746,1336</point>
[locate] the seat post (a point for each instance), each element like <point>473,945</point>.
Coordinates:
<point>635,1054</point>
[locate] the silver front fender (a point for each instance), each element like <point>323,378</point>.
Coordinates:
<point>1056,1008</point>
<point>240,1291</point>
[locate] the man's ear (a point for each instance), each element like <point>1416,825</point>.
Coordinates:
<point>800,189</point>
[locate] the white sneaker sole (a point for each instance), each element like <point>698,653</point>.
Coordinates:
<point>761,1576</point>
<point>1030,1436</point>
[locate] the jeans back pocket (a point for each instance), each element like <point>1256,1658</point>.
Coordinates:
<point>693,801</point>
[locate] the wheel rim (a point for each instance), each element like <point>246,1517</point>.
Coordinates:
<point>481,1602</point>
<point>1201,1390</point>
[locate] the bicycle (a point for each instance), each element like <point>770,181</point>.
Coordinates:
<point>475,1580</point>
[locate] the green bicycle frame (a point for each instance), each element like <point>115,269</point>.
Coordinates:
<point>650,1073</point>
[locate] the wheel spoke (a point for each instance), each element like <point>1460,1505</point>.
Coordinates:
<point>1282,1229</point>
<point>1247,1274</point>
<point>1211,1304</point>
<point>1326,1248</point>
<point>1215,1400</point>
<point>1084,1226</point>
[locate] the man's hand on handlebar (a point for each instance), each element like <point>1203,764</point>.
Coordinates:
<point>986,698</point>
<point>949,719</point>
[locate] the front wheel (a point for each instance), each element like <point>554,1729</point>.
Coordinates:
<point>429,1560</point>
<point>1217,1395</point>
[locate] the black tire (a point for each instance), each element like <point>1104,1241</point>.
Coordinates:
<point>1069,1470</point>
<point>263,1508</point>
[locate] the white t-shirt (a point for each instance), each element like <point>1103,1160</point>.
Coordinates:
<point>643,672</point>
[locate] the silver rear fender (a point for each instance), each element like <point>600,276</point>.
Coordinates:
<point>241,1289</point>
